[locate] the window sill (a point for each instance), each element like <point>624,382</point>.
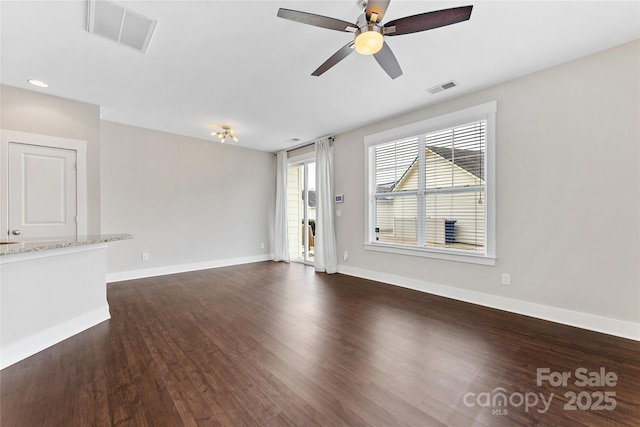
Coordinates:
<point>427,253</point>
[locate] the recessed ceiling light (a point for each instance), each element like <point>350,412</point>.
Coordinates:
<point>38,83</point>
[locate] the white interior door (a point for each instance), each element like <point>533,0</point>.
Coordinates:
<point>42,191</point>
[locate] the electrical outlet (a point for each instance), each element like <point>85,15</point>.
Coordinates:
<point>506,279</point>
<point>145,256</point>
<point>261,245</point>
<point>345,256</point>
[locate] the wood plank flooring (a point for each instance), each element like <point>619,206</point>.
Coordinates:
<point>271,344</point>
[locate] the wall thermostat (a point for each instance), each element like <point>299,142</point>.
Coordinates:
<point>339,198</point>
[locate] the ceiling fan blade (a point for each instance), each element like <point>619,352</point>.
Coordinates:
<point>427,21</point>
<point>388,61</point>
<point>317,20</point>
<point>379,7</point>
<point>334,59</point>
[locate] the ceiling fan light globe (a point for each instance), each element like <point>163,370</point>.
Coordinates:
<point>368,42</point>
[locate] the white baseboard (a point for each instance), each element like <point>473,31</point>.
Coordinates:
<point>591,322</point>
<point>183,268</point>
<point>19,350</point>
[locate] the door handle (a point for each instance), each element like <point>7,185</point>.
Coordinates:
<point>16,232</point>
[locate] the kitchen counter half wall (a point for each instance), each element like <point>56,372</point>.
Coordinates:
<point>51,290</point>
<point>23,245</point>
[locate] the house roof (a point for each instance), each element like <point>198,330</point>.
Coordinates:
<point>464,159</point>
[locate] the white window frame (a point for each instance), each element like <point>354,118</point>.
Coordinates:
<point>486,112</point>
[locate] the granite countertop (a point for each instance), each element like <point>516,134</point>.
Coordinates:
<point>23,245</point>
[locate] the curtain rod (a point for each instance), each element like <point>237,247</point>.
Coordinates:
<point>306,144</point>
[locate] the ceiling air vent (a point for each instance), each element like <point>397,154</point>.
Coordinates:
<point>121,24</point>
<point>442,87</point>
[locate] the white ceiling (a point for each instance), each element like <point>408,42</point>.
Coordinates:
<point>234,62</point>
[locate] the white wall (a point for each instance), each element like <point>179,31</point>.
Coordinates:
<point>39,113</point>
<point>568,188</point>
<point>189,203</point>
<point>49,296</point>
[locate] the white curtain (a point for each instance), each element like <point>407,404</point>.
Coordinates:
<point>326,252</point>
<point>280,236</point>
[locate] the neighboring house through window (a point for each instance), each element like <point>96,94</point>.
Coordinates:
<point>431,187</point>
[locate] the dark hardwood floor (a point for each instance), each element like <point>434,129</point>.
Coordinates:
<point>274,344</point>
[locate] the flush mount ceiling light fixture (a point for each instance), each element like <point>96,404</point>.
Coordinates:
<point>226,131</point>
<point>369,32</point>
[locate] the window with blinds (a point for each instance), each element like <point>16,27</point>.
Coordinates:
<point>428,191</point>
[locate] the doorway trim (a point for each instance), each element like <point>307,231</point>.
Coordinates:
<point>79,146</point>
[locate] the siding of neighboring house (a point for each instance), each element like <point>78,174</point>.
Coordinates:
<point>400,214</point>
<point>385,215</point>
<point>294,213</point>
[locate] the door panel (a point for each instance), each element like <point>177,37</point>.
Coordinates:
<point>42,191</point>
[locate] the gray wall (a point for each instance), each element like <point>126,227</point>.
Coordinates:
<point>568,188</point>
<point>185,200</point>
<point>33,112</point>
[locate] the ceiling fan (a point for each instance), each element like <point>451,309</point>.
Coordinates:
<point>370,33</point>
<point>222,135</point>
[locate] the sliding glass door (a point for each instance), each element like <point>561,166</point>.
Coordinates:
<point>301,210</point>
